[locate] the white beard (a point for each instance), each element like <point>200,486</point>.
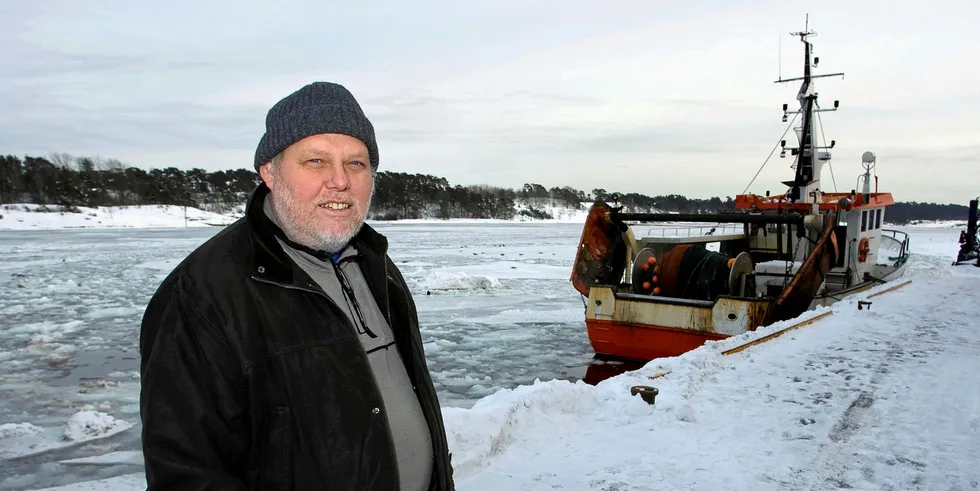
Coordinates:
<point>300,225</point>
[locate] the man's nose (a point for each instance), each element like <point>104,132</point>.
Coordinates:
<point>336,177</point>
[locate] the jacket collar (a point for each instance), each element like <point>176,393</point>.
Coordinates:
<point>268,261</point>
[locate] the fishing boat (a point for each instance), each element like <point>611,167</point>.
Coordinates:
<point>661,284</point>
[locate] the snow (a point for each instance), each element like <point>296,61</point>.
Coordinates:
<point>19,430</point>
<point>38,217</point>
<point>879,398</point>
<point>960,224</point>
<point>28,216</point>
<point>25,439</point>
<point>560,214</point>
<point>448,280</point>
<point>85,425</point>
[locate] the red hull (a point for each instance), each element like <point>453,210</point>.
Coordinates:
<point>643,342</point>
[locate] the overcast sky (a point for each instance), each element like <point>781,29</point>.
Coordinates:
<point>644,96</point>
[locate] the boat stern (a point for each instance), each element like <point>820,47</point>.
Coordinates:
<point>644,327</point>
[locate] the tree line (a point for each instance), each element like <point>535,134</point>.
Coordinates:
<point>69,182</point>
<point>909,211</point>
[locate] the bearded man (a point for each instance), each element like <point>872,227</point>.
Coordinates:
<point>285,352</point>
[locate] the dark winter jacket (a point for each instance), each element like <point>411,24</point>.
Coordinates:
<point>252,378</point>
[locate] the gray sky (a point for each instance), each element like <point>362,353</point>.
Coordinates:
<point>634,96</point>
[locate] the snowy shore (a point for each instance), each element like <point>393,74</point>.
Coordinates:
<point>47,217</point>
<point>27,216</point>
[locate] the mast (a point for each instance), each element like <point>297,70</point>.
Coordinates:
<point>810,157</point>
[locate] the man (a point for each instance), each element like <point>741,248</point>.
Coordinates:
<point>285,353</point>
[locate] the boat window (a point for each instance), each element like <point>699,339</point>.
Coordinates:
<point>864,220</point>
<point>878,219</point>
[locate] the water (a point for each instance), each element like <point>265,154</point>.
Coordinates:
<point>494,301</point>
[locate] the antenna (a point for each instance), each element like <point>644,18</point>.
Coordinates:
<point>806,31</point>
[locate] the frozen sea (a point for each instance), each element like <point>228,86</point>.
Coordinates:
<point>495,304</point>
<point>496,308</point>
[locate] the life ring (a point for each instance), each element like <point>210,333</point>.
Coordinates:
<point>864,247</point>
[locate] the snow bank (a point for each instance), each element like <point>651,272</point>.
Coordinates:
<point>43,217</point>
<point>499,421</point>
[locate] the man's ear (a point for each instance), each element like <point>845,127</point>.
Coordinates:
<point>265,171</point>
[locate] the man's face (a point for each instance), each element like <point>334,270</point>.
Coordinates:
<point>321,190</point>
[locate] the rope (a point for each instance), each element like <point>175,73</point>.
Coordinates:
<point>789,264</point>
<point>770,153</point>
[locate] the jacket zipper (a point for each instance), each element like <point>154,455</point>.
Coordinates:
<point>387,298</point>
<point>351,299</point>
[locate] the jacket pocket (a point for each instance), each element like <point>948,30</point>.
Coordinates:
<point>276,450</point>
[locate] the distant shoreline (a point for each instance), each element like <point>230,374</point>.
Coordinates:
<point>28,216</point>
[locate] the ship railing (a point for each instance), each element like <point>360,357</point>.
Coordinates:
<point>700,230</point>
<point>901,238</point>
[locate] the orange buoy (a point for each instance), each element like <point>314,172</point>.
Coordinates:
<point>731,262</point>
<point>646,285</point>
<point>655,280</point>
<point>864,247</point>
<point>652,260</point>
<point>645,267</point>
<point>656,291</point>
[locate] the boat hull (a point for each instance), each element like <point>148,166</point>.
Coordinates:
<point>648,335</point>
<point>644,342</point>
<point>644,327</point>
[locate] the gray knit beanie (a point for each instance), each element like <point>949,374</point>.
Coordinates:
<point>320,107</point>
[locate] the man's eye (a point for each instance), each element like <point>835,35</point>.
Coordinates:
<point>315,161</point>
<point>357,163</point>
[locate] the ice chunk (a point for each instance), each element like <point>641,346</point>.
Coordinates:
<point>445,280</point>
<point>85,425</point>
<point>11,430</point>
